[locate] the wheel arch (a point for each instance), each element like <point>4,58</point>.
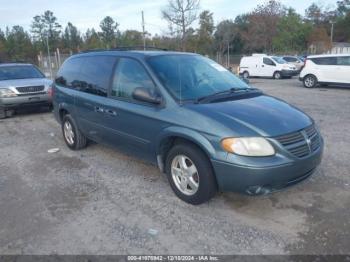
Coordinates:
<point>181,135</point>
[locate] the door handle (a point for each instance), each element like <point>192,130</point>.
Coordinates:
<point>99,109</point>
<point>111,112</point>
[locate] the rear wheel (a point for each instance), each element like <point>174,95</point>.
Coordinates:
<point>310,81</point>
<point>246,74</point>
<point>74,139</point>
<point>277,75</point>
<point>190,174</point>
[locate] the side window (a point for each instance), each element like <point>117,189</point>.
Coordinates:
<point>325,60</point>
<point>96,73</point>
<point>68,75</point>
<point>268,61</point>
<point>343,60</point>
<point>129,75</point>
<point>289,59</point>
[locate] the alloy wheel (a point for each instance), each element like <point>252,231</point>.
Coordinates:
<point>68,132</point>
<point>185,175</point>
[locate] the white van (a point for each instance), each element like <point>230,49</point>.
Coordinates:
<point>326,70</point>
<point>261,65</point>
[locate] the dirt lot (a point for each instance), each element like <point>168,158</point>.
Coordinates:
<point>99,201</point>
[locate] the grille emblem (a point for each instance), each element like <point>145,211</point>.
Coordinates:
<point>308,140</point>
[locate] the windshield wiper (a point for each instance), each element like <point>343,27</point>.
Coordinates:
<point>221,93</point>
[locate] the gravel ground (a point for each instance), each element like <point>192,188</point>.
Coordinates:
<point>100,201</point>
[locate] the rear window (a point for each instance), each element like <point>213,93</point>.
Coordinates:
<point>19,72</point>
<point>87,74</point>
<point>324,60</point>
<point>343,60</point>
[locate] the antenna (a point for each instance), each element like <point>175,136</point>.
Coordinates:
<point>143,31</point>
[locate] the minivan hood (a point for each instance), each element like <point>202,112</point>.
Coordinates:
<point>265,115</point>
<point>24,82</point>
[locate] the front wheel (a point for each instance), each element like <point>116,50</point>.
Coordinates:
<point>310,81</point>
<point>246,75</point>
<point>277,75</point>
<point>190,174</point>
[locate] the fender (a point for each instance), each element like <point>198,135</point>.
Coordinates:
<point>188,134</point>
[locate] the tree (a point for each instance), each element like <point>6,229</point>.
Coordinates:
<point>131,38</point>
<point>46,26</point>
<point>225,34</point>
<point>3,54</point>
<point>343,7</point>
<point>292,33</point>
<point>205,32</point>
<point>109,31</point>
<point>313,14</point>
<point>92,40</point>
<point>181,14</point>
<point>319,40</point>
<point>71,37</point>
<point>263,26</point>
<point>18,45</point>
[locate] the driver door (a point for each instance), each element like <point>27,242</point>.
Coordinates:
<point>268,67</point>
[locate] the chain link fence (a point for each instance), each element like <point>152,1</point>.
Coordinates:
<point>49,65</point>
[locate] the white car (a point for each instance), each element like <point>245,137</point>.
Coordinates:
<point>296,61</point>
<point>261,65</point>
<point>326,70</point>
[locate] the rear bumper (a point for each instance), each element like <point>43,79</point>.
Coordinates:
<point>25,101</point>
<point>286,73</point>
<point>257,181</point>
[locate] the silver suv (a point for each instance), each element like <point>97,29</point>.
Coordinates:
<point>22,85</point>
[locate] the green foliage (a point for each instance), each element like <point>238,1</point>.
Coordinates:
<point>292,33</point>
<point>109,31</point>
<point>71,38</point>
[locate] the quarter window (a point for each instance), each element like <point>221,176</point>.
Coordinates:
<point>130,75</point>
<point>343,60</point>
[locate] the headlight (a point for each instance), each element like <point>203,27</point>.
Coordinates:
<point>248,146</point>
<point>4,92</point>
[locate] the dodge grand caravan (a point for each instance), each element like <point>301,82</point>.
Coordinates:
<point>204,127</point>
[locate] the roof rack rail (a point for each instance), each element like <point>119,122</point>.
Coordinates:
<point>126,48</point>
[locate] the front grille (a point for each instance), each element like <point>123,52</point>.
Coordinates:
<point>301,143</point>
<point>30,89</point>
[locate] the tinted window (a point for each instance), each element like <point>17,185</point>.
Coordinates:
<point>279,60</point>
<point>95,74</point>
<point>324,60</point>
<point>290,59</point>
<point>68,75</point>
<point>19,72</point>
<point>88,74</point>
<point>188,77</point>
<point>268,61</point>
<point>343,60</point>
<point>129,75</point>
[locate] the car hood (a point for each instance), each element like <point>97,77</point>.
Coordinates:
<point>24,82</point>
<point>265,115</point>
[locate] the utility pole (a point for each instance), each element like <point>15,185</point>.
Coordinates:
<point>49,57</point>
<point>143,31</point>
<point>332,33</point>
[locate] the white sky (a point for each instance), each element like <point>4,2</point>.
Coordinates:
<point>88,13</point>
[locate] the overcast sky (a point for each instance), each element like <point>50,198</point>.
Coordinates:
<point>88,13</point>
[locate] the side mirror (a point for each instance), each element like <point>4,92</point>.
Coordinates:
<point>144,95</point>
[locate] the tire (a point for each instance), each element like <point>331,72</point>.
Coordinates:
<point>203,177</point>
<point>74,139</point>
<point>2,113</point>
<point>245,75</point>
<point>277,75</point>
<point>310,81</point>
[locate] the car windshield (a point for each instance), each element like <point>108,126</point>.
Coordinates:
<point>190,77</point>
<point>279,60</point>
<point>19,72</point>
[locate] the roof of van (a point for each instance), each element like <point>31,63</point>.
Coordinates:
<point>327,55</point>
<point>132,53</point>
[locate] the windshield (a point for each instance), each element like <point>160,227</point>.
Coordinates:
<point>189,77</point>
<point>279,60</point>
<point>19,72</point>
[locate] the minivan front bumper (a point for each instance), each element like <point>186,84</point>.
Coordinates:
<point>253,180</point>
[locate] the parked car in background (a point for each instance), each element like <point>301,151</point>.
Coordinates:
<point>22,85</point>
<point>326,70</point>
<point>294,60</point>
<point>203,126</point>
<point>261,65</point>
